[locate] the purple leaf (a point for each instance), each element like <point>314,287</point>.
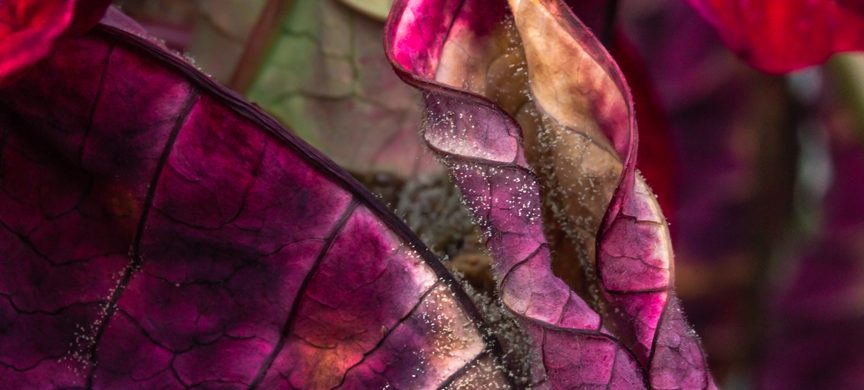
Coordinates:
<point>158,231</point>
<point>495,73</point>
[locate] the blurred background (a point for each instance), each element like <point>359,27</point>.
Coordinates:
<point>761,176</point>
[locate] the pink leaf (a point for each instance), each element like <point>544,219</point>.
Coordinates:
<point>518,92</point>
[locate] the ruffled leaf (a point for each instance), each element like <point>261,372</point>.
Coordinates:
<point>520,89</point>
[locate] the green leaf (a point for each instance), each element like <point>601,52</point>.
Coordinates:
<point>326,77</point>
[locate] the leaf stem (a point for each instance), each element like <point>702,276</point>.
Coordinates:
<point>258,44</point>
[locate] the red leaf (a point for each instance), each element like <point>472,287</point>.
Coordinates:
<point>857,5</point>
<point>780,36</point>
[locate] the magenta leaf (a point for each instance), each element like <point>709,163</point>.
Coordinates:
<point>29,29</point>
<point>156,231</point>
<point>518,92</point>
<point>780,36</point>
